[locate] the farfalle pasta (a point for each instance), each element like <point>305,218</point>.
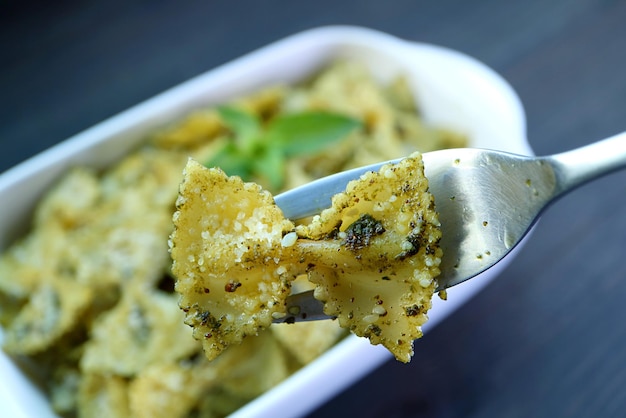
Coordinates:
<point>87,294</point>
<point>374,256</point>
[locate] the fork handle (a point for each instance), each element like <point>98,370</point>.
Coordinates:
<point>576,167</point>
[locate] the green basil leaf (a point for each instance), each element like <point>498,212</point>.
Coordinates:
<point>257,152</point>
<point>244,125</point>
<point>309,132</point>
<point>232,161</point>
<point>269,163</point>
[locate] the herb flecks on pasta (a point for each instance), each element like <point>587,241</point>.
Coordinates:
<point>228,257</point>
<point>373,255</point>
<point>86,292</point>
<point>377,271</point>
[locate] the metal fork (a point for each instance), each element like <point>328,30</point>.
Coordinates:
<point>487,202</point>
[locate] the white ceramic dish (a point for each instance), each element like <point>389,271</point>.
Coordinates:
<point>453,89</point>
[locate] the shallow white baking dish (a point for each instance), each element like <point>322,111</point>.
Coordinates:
<point>452,89</point>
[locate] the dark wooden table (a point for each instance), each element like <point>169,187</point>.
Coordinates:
<point>548,337</point>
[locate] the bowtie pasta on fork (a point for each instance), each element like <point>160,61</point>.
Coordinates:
<point>373,256</point>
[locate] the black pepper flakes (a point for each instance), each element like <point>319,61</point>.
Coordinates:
<point>204,317</point>
<point>374,329</point>
<point>232,285</point>
<point>334,232</point>
<point>413,310</point>
<point>417,241</point>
